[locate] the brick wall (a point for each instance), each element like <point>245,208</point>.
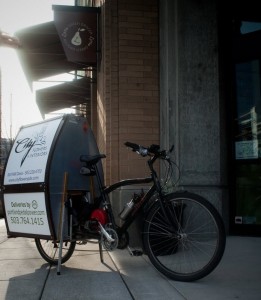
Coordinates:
<point>128,84</point>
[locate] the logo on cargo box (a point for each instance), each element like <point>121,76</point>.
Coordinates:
<point>27,145</point>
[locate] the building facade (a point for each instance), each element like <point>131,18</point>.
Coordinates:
<point>185,73</point>
<point>182,73</point>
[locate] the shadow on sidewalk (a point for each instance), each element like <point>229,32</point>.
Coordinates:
<point>73,283</point>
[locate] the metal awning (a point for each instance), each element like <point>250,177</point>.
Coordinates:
<point>42,54</point>
<point>66,45</point>
<point>64,95</point>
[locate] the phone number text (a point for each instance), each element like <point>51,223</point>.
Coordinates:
<point>27,221</point>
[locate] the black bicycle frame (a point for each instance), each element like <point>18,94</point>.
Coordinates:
<point>156,187</point>
<point>138,206</point>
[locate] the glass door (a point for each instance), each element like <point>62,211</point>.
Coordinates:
<point>246,210</point>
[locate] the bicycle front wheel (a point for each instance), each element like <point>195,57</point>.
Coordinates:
<point>49,250</point>
<point>192,245</point>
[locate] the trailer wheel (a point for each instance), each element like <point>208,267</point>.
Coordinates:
<point>49,250</point>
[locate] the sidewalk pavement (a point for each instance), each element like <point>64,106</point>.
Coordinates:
<point>25,275</point>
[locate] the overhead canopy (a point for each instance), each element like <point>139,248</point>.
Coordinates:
<point>67,44</point>
<point>42,54</point>
<point>63,95</point>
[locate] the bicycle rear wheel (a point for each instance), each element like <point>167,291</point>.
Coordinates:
<point>49,250</point>
<point>193,245</point>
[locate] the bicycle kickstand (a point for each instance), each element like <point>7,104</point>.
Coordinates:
<point>134,252</point>
<point>101,252</point>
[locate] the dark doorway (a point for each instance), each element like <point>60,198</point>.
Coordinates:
<point>246,114</point>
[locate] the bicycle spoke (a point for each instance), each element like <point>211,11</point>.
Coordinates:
<point>193,246</point>
<point>49,250</point>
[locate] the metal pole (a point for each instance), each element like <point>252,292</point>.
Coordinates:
<point>61,222</point>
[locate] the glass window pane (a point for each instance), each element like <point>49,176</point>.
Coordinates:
<point>248,194</point>
<point>247,137</point>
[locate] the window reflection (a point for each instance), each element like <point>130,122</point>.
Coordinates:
<point>247,27</point>
<point>248,122</point>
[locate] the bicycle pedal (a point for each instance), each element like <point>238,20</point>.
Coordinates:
<point>83,242</point>
<point>135,252</point>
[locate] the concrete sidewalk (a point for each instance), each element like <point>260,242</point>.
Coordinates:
<point>25,275</point>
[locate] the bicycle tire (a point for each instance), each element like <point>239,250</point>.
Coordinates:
<point>193,245</point>
<point>49,250</point>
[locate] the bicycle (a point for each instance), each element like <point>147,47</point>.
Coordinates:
<point>183,234</point>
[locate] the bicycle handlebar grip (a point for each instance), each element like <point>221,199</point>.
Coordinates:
<point>134,147</point>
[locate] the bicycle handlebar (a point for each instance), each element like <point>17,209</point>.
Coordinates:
<point>152,149</point>
<point>135,147</point>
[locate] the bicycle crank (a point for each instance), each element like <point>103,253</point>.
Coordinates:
<point>109,238</point>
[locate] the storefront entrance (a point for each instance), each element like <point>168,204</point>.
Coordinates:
<point>246,195</point>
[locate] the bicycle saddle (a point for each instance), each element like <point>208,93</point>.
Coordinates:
<point>91,159</point>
